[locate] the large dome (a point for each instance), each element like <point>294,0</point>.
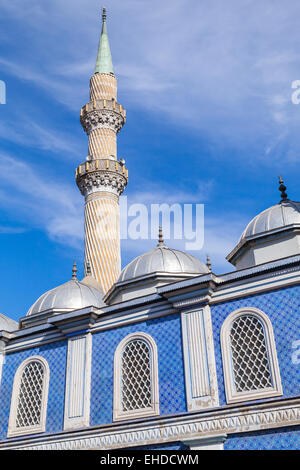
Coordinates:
<point>280,215</point>
<point>163,259</point>
<point>70,296</point>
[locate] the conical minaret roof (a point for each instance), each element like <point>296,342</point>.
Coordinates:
<point>104,61</point>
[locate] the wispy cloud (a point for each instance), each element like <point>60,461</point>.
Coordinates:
<point>31,134</point>
<point>224,74</point>
<point>217,72</point>
<point>54,207</point>
<point>58,209</point>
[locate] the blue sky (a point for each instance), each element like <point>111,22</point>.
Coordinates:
<point>207,89</point>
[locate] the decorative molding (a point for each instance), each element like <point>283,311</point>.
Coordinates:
<point>240,288</point>
<point>204,299</point>
<point>102,119</point>
<point>41,427</point>
<point>77,395</point>
<point>257,417</point>
<point>199,360</point>
<point>102,180</point>
<point>207,443</point>
<point>118,412</point>
<point>232,396</point>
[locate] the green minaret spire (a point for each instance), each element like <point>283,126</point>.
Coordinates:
<point>104,60</point>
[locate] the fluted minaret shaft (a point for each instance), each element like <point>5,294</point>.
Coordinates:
<point>102,178</point>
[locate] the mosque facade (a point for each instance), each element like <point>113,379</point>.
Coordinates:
<point>164,354</point>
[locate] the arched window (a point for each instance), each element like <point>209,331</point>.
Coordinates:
<point>136,377</point>
<point>29,398</point>
<point>249,356</point>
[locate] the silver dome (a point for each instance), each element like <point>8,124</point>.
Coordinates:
<point>281,215</point>
<point>163,259</point>
<point>70,296</point>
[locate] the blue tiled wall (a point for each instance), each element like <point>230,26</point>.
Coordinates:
<point>283,309</point>
<point>278,439</point>
<point>55,355</point>
<point>166,332</point>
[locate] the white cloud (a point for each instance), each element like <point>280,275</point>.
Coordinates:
<point>31,134</point>
<point>58,209</point>
<point>54,207</point>
<point>224,71</point>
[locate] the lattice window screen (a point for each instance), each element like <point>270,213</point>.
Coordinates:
<point>30,395</point>
<point>249,354</point>
<point>136,376</point>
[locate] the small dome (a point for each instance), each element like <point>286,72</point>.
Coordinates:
<point>70,296</point>
<point>280,215</point>
<point>163,259</point>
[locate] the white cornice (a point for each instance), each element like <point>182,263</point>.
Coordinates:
<point>212,423</point>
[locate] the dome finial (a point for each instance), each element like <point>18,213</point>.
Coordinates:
<point>208,263</point>
<point>88,270</point>
<point>160,237</point>
<point>282,189</point>
<point>74,271</point>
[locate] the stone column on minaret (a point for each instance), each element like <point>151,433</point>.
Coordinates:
<point>102,178</point>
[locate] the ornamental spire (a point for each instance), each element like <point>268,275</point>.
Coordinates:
<point>104,61</point>
<point>74,271</point>
<point>282,189</point>
<point>208,263</point>
<point>160,237</point>
<point>88,271</point>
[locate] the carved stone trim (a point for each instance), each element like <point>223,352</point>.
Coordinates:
<point>102,180</point>
<point>204,299</point>
<point>102,119</point>
<point>170,429</point>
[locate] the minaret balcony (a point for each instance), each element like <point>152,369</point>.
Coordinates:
<point>101,175</point>
<point>102,114</point>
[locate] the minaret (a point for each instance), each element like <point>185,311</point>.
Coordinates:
<point>102,178</point>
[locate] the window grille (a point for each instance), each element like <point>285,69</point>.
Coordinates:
<point>136,376</point>
<point>28,410</point>
<point>30,395</point>
<point>136,391</point>
<point>250,361</point>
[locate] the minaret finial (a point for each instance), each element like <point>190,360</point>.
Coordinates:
<point>103,14</point>
<point>74,271</point>
<point>282,189</point>
<point>160,237</point>
<point>208,263</point>
<point>104,61</point>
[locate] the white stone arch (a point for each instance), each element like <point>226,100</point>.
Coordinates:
<point>275,389</point>
<point>13,428</point>
<point>119,413</point>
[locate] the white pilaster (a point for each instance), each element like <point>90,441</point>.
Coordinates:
<point>199,360</point>
<point>2,356</point>
<point>77,399</point>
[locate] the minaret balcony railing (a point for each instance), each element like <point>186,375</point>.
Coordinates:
<point>101,174</point>
<point>103,104</point>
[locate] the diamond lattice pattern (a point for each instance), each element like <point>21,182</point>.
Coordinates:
<point>136,376</point>
<point>249,354</point>
<point>30,395</point>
